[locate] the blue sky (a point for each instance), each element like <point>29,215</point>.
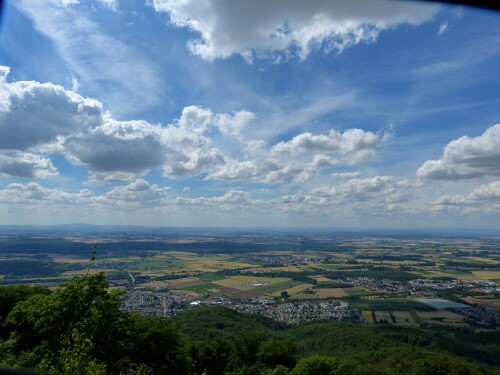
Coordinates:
<point>366,114</point>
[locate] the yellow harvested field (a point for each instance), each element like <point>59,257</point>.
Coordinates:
<point>131,258</point>
<point>177,255</point>
<point>284,268</point>
<point>237,284</point>
<point>69,260</point>
<point>294,290</point>
<point>258,279</point>
<point>330,292</point>
<point>367,315</point>
<point>445,315</point>
<point>155,283</point>
<point>155,273</point>
<point>483,260</point>
<point>181,281</point>
<point>466,276</point>
<point>212,265</point>
<point>487,275</point>
<point>321,278</point>
<point>487,303</point>
<point>247,282</point>
<point>228,282</point>
<point>403,317</point>
<point>191,293</point>
<point>383,316</point>
<point>202,263</point>
<point>393,262</point>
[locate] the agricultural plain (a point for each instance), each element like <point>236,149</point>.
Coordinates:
<point>381,276</point>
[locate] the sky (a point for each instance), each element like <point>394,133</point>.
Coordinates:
<point>232,113</point>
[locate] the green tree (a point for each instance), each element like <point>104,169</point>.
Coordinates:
<point>278,370</point>
<point>442,365</point>
<point>81,326</point>
<point>276,352</point>
<point>315,365</point>
<point>12,294</point>
<point>156,343</point>
<point>211,356</point>
<point>245,350</point>
<point>74,358</point>
<point>44,323</point>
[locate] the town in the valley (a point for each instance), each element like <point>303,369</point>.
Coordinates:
<point>425,280</point>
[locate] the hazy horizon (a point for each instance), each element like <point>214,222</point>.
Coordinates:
<point>68,227</point>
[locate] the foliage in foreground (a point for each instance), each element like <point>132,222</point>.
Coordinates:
<point>80,330</point>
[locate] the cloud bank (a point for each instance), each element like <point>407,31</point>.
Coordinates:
<point>38,120</point>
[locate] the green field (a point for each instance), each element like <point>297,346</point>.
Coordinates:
<point>278,286</point>
<point>156,264</point>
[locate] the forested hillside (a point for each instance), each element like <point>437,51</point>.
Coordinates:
<point>79,329</point>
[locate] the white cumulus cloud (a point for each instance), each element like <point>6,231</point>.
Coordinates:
<point>45,118</point>
<point>33,113</point>
<point>289,27</point>
<point>485,199</point>
<point>139,192</point>
<point>233,199</point>
<point>266,171</point>
<point>33,193</point>
<point>466,157</point>
<point>346,175</point>
<point>382,187</point>
<point>298,159</point>
<point>24,164</point>
<point>355,144</point>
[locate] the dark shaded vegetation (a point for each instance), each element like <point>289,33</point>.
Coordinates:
<point>79,329</point>
<point>14,245</point>
<point>389,304</point>
<point>34,268</point>
<point>466,266</point>
<point>375,350</point>
<point>332,284</point>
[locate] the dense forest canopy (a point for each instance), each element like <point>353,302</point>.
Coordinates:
<point>80,329</point>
